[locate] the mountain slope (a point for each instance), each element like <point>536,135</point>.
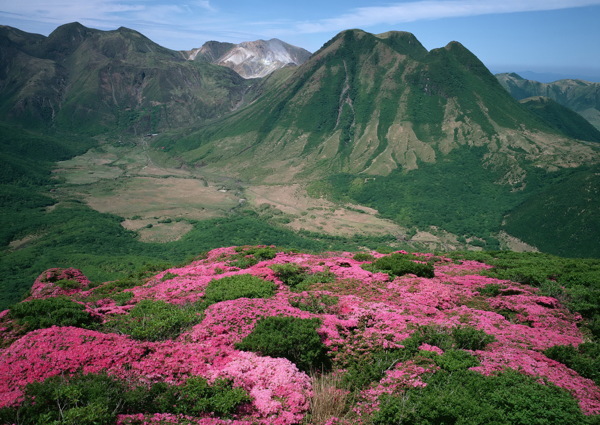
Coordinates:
<point>581,96</point>
<point>562,118</point>
<point>373,104</point>
<point>251,59</point>
<point>83,79</point>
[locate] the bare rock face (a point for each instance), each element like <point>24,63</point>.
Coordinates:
<point>251,59</point>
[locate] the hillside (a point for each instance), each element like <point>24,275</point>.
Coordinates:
<point>117,153</point>
<point>562,118</point>
<point>89,81</point>
<point>257,335</point>
<point>370,119</point>
<point>581,96</point>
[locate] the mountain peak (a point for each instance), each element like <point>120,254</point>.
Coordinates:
<point>251,59</point>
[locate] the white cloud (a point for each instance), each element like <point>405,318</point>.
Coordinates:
<point>433,9</point>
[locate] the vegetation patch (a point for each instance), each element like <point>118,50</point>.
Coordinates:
<point>237,286</point>
<point>154,321</point>
<point>294,339</point>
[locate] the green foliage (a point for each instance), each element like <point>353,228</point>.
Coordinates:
<point>237,286</point>
<point>490,290</point>
<point>398,264</point>
<point>97,399</point>
<point>562,119</point>
<point>294,339</point>
<point>455,360</point>
<point>364,370</point>
<point>44,313</point>
<point>298,278</point>
<point>457,194</point>
<point>562,217</point>
<point>78,400</point>
<point>363,256</point>
<point>459,337</point>
<point>291,274</point>
<point>575,282</point>
<point>196,397</point>
<point>585,359</point>
<point>248,257</point>
<point>466,397</point>
<point>318,304</point>
<point>154,321</point>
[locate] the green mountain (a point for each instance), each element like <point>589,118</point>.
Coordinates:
<point>371,104</point>
<point>581,96</point>
<point>428,138</point>
<point>89,81</point>
<point>562,118</point>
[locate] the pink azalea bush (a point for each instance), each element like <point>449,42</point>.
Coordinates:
<point>372,312</point>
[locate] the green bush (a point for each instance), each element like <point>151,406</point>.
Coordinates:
<point>585,359</point>
<point>248,257</point>
<point>78,400</point>
<point>44,313</point>
<point>291,274</point>
<point>364,370</point>
<point>237,286</point>
<point>97,399</point>
<point>154,321</point>
<point>455,360</point>
<point>490,290</point>
<point>363,256</point>
<point>400,264</point>
<point>294,339</point>
<point>298,278</point>
<point>466,397</point>
<point>459,337</point>
<point>318,304</point>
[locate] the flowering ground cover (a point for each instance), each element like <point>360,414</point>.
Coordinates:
<point>255,336</point>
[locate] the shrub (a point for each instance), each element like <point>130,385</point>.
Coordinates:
<point>455,360</point>
<point>154,321</point>
<point>81,399</point>
<point>400,264</point>
<point>97,399</point>
<point>290,274</point>
<point>362,371</point>
<point>460,337</point>
<point>468,397</point>
<point>237,286</point>
<point>44,313</point>
<point>248,257</point>
<point>363,256</point>
<point>298,278</point>
<point>294,339</point>
<point>585,359</point>
<point>317,304</point>
<point>490,290</point>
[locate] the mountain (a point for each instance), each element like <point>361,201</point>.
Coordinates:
<point>562,118</point>
<point>251,59</point>
<point>581,96</point>
<point>426,138</point>
<point>85,80</point>
<point>371,104</point>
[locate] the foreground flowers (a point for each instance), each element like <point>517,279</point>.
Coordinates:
<point>359,312</point>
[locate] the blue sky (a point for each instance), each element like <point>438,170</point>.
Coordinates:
<point>560,37</point>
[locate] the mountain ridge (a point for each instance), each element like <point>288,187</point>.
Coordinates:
<point>579,95</point>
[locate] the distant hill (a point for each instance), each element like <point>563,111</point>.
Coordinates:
<point>581,96</point>
<point>562,118</point>
<point>251,59</point>
<point>86,80</point>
